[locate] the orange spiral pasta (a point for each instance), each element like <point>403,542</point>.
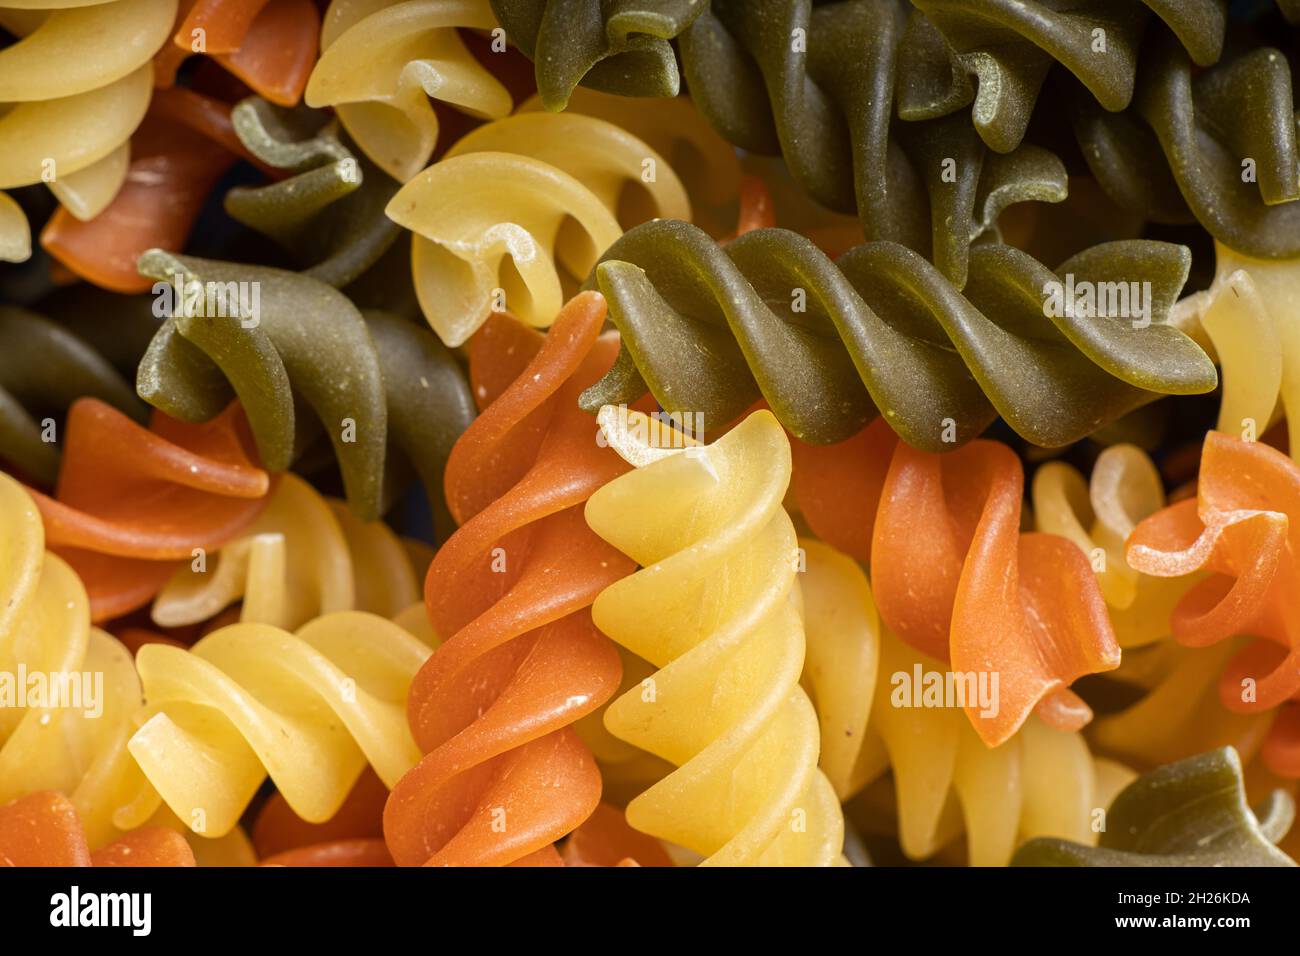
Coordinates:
<point>123,521</point>
<point>43,829</point>
<point>185,144</point>
<point>953,575</point>
<point>268,44</point>
<point>1238,528</point>
<point>505,775</point>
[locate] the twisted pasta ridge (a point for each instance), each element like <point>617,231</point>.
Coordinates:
<point>1039,782</point>
<point>1208,128</point>
<point>44,368</point>
<point>716,608</point>
<point>1163,819</point>
<point>69,127</point>
<point>382,60</point>
<point>881,328</point>
<point>817,84</point>
<point>1238,528</point>
<point>1245,319</point>
<point>329,213</point>
<point>181,149</point>
<point>122,521</point>
<point>278,830</point>
<point>69,690</point>
<point>1098,515</point>
<point>1008,47</point>
<point>309,708</point>
<point>1169,706</point>
<point>373,380</point>
<point>513,211</point>
<point>622,48</point>
<point>706,164</point>
<point>509,592</point>
<point>972,590</point>
<point>303,557</point>
<point>270,45</point>
<point>43,829</point>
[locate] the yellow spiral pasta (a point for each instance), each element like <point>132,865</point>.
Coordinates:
<point>381,61</point>
<point>716,608</point>
<point>516,215</point>
<point>304,556</point>
<point>1098,516</point>
<point>1041,782</point>
<point>1247,320</point>
<point>310,709</point>
<point>706,163</point>
<point>69,127</point>
<point>843,636</point>
<point>73,739</point>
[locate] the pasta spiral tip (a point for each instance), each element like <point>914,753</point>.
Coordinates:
<point>715,607</point>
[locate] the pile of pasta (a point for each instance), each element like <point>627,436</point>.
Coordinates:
<point>656,433</point>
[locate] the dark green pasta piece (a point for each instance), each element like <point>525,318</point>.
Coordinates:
<point>710,329</point>
<point>818,85</point>
<point>429,403</point>
<point>1190,813</point>
<point>1008,46</point>
<point>615,46</point>
<point>1211,129</point>
<point>308,342</point>
<point>329,215</point>
<point>44,368</point>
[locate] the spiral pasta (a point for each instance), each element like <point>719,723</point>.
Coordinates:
<point>178,153</point>
<point>881,329</point>
<point>268,44</point>
<point>1245,315</point>
<point>716,608</point>
<point>123,522</point>
<point>1098,515</point>
<point>302,558</point>
<point>349,376</point>
<point>380,62</point>
<point>513,209</point>
<point>43,829</point>
<point>69,127</point>
<point>972,590</point>
<point>818,85</point>
<point>310,709</point>
<point>1007,47</point>
<point>618,48</point>
<point>69,690</point>
<point>329,213</point>
<point>521,659</point>
<point>1161,819</point>
<point>1238,528</point>
<point>44,368</point>
<point>1228,140</point>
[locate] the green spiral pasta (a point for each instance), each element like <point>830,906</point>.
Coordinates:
<point>1008,46</point>
<point>1228,141</point>
<point>1189,813</point>
<point>616,46</point>
<point>711,329</point>
<point>818,85</point>
<point>44,368</point>
<point>309,346</point>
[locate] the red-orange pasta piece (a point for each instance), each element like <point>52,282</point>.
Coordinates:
<point>505,775</point>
